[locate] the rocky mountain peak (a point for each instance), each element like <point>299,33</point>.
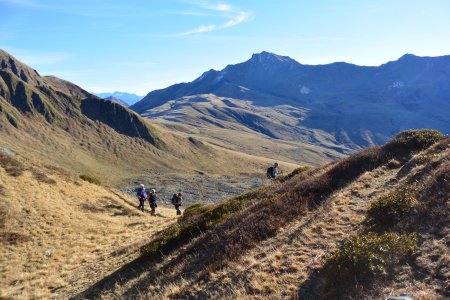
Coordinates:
<point>267,57</point>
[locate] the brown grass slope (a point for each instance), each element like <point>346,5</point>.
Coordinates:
<point>59,233</point>
<point>283,240</point>
<point>58,122</point>
<point>249,128</point>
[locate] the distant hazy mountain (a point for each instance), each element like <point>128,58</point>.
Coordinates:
<point>116,100</point>
<point>346,104</point>
<point>127,98</point>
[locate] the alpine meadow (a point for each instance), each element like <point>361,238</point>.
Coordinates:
<point>205,149</point>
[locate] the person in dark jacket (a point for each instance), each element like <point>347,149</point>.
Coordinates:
<point>142,195</point>
<point>177,201</point>
<point>152,197</point>
<point>273,171</point>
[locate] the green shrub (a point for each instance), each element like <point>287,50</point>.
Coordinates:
<point>198,218</point>
<point>166,235</point>
<point>415,139</point>
<point>389,208</point>
<point>365,256</point>
<point>293,173</point>
<point>90,179</point>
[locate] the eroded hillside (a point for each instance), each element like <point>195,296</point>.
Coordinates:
<point>363,227</point>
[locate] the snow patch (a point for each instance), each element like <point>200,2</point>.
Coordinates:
<point>304,89</point>
<point>220,76</point>
<point>397,84</point>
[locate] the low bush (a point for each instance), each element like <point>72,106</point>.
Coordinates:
<point>414,140</point>
<point>388,209</point>
<point>13,238</point>
<point>293,174</point>
<point>196,219</point>
<point>42,177</point>
<point>164,238</point>
<point>365,256</point>
<point>11,165</point>
<point>90,179</point>
<point>206,216</point>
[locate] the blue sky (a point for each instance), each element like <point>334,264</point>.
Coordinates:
<point>138,46</point>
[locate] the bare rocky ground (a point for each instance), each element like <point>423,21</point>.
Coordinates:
<point>197,187</point>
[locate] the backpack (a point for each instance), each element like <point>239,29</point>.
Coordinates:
<point>271,172</point>
<point>174,199</point>
<point>141,192</point>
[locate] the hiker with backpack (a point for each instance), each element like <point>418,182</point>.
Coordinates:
<point>177,199</point>
<point>152,197</point>
<point>273,172</point>
<point>142,195</point>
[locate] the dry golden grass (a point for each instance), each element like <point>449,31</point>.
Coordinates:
<point>277,267</point>
<point>56,246</point>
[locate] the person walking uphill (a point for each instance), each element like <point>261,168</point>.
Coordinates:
<point>176,201</point>
<point>273,171</point>
<point>152,200</point>
<point>142,195</point>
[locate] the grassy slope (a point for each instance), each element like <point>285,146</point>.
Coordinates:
<point>240,125</point>
<point>276,246</point>
<point>49,119</point>
<point>91,231</point>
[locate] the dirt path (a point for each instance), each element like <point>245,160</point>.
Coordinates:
<point>117,254</point>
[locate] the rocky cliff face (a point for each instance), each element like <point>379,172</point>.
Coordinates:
<point>24,93</point>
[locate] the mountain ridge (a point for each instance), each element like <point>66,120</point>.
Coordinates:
<point>350,103</point>
<point>50,119</point>
<point>128,98</point>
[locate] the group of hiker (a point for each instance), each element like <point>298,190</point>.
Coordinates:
<point>177,199</point>
<point>142,195</point>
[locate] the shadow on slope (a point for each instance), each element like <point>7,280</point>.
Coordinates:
<point>206,237</point>
<point>402,239</point>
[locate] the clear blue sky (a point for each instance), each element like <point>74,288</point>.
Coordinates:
<point>141,45</point>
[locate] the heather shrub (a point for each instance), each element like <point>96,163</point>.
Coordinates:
<point>42,177</point>
<point>167,235</point>
<point>414,139</point>
<point>11,165</point>
<point>196,219</point>
<point>90,179</point>
<point>389,208</point>
<point>293,174</point>
<point>366,256</point>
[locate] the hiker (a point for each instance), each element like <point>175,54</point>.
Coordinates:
<point>176,201</point>
<point>142,195</point>
<point>273,171</point>
<point>152,200</point>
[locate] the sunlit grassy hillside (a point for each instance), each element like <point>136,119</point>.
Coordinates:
<point>364,227</point>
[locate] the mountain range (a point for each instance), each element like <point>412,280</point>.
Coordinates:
<point>51,120</point>
<point>128,98</point>
<point>339,106</point>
